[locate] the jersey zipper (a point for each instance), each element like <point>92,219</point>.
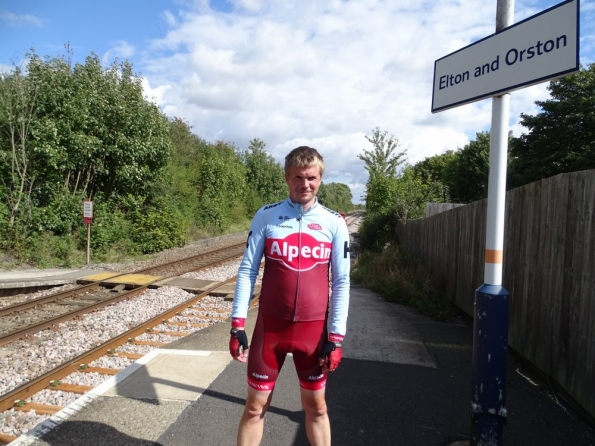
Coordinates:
<point>299,274</point>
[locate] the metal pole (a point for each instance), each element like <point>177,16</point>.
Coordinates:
<point>88,243</point>
<point>490,327</point>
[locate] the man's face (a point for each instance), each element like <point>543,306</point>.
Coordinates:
<point>303,184</point>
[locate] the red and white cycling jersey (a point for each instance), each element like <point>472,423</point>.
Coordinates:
<point>299,248</point>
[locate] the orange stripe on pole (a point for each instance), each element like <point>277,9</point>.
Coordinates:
<point>493,256</point>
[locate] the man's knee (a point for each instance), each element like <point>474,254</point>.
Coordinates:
<point>257,403</point>
<point>314,403</point>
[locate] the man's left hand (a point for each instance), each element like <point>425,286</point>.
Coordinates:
<point>331,354</point>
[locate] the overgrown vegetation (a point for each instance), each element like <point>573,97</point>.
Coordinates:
<point>399,278</point>
<point>395,194</point>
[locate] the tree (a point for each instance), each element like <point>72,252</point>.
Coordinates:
<point>336,196</point>
<point>220,185</point>
<point>432,172</point>
<point>17,104</point>
<point>69,133</point>
<point>382,165</point>
<point>94,131</point>
<point>561,138</point>
<point>382,160</point>
<point>264,175</point>
<point>412,192</point>
<point>466,176</point>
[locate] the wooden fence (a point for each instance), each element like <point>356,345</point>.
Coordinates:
<point>549,271</point>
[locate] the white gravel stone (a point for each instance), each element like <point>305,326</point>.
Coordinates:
<point>24,360</point>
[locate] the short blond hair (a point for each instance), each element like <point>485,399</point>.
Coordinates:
<point>304,156</point>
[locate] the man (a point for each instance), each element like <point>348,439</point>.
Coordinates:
<point>299,238</point>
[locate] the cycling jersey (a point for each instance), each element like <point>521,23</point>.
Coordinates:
<point>298,247</point>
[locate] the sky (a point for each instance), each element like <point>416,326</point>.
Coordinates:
<point>323,73</point>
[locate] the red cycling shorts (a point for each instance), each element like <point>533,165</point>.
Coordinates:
<point>273,339</point>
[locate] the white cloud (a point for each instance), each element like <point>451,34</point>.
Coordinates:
<point>120,50</point>
<point>12,19</point>
<point>324,74</point>
<point>5,69</point>
<point>169,18</point>
<point>154,94</point>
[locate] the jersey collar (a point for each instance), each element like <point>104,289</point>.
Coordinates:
<point>299,208</point>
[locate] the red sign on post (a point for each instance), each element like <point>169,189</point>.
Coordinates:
<point>87,212</point>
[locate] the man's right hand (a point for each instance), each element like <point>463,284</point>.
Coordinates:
<point>238,344</point>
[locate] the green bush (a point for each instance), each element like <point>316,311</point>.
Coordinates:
<point>377,231</point>
<point>400,279</point>
<point>158,229</point>
<point>60,217</point>
<point>47,249</point>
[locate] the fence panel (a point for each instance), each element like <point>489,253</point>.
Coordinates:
<point>549,271</point>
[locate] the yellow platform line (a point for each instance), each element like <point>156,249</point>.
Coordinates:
<point>134,279</point>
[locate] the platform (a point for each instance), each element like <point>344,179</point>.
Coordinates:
<point>29,281</point>
<point>404,379</point>
<point>32,280</point>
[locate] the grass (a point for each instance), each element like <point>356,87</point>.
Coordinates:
<point>399,278</point>
<point>51,251</point>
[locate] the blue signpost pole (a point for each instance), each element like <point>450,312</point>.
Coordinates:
<point>490,321</point>
<point>490,340</point>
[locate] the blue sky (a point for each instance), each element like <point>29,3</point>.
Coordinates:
<point>322,73</point>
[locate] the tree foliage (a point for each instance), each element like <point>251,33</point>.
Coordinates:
<point>69,133</point>
<point>96,132</point>
<point>382,160</point>
<point>76,132</point>
<point>561,138</point>
<point>264,175</point>
<point>336,196</point>
<point>220,184</point>
<point>466,175</point>
<point>434,167</point>
<point>412,192</point>
<point>73,133</point>
<point>18,178</point>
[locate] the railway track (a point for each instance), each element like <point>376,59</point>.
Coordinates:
<point>22,320</point>
<point>20,399</point>
<point>37,315</point>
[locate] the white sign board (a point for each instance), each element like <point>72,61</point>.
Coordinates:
<point>542,47</point>
<point>87,210</point>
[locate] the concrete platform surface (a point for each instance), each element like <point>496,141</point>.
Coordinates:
<point>31,280</point>
<point>170,375</point>
<point>8,278</point>
<point>404,380</point>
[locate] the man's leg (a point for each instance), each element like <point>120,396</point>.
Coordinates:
<point>318,427</point>
<point>252,422</point>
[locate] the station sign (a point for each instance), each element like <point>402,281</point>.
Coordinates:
<point>87,212</point>
<point>539,48</point>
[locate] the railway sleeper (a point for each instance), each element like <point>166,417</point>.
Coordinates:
<point>150,343</point>
<point>65,387</point>
<point>101,370</point>
<point>75,303</point>
<point>187,324</point>
<point>133,356</point>
<point>180,334</point>
<point>40,409</point>
<point>6,439</point>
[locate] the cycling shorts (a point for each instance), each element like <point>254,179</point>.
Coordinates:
<point>273,339</point>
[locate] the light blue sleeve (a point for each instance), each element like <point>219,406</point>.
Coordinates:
<point>340,267</point>
<point>248,270</point>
